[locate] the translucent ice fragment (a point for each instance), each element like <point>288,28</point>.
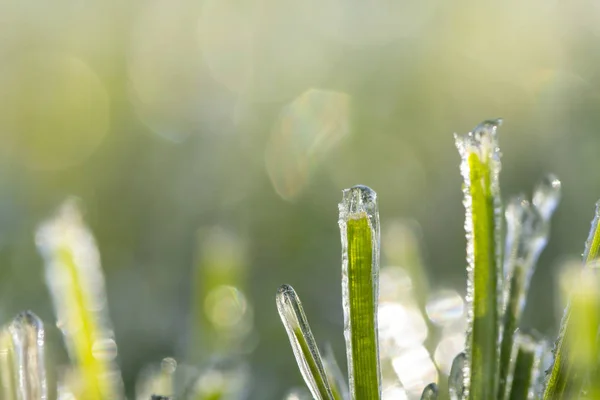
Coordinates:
<point>457,377</point>
<point>430,392</point>
<point>359,228</point>
<point>546,195</point>
<point>74,277</point>
<point>303,343</point>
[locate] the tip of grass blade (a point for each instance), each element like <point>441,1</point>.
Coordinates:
<point>303,343</point>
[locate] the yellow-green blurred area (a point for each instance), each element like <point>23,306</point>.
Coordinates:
<point>170,118</point>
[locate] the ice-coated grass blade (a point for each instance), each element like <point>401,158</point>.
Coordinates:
<point>524,369</point>
<point>527,228</point>
<point>430,392</point>
<point>76,283</point>
<point>27,332</point>
<point>303,343</point>
<point>8,366</point>
<point>359,227</point>
<point>456,379</point>
<point>480,168</point>
<point>337,382</point>
<point>562,380</point>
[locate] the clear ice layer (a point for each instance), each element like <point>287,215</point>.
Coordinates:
<point>303,343</point>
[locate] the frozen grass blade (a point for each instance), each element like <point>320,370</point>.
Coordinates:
<point>76,283</point>
<point>562,377</point>
<point>527,235</point>
<point>359,227</point>
<point>525,368</point>
<point>27,332</point>
<point>430,392</point>
<point>303,343</point>
<point>480,168</point>
<point>337,382</point>
<point>8,366</point>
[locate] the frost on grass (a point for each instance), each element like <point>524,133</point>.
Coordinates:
<point>74,277</point>
<point>480,167</point>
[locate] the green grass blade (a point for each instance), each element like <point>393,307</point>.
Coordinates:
<point>480,169</point>
<point>359,227</point>
<point>562,379</point>
<point>303,343</point>
<point>527,235</point>
<point>524,369</point>
<point>76,283</point>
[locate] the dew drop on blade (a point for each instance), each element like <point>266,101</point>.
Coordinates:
<point>27,332</point>
<point>430,392</point>
<point>459,372</point>
<point>546,195</point>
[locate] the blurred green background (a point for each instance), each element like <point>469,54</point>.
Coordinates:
<point>168,119</point>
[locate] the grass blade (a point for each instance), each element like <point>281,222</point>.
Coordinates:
<point>524,369</point>
<point>8,366</point>
<point>456,379</point>
<point>359,227</point>
<point>527,235</point>
<point>27,332</point>
<point>303,343</point>
<point>562,377</point>
<point>480,168</point>
<point>76,283</point>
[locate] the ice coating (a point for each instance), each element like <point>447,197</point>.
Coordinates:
<point>27,333</point>
<point>546,195</point>
<point>339,385</point>
<point>527,233</point>
<point>456,379</point>
<point>358,203</point>
<point>76,282</point>
<point>524,380</point>
<point>480,169</point>
<point>430,392</point>
<point>303,343</point>
<point>592,244</point>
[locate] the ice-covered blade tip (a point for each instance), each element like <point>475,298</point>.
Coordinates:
<point>482,139</point>
<point>546,195</point>
<point>357,201</point>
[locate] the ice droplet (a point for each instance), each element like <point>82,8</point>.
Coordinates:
<point>458,374</point>
<point>27,332</point>
<point>546,195</point>
<point>303,343</point>
<point>430,392</point>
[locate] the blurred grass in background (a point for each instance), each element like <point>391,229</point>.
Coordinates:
<point>173,119</point>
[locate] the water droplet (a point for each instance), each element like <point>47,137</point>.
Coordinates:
<point>445,307</point>
<point>546,195</point>
<point>458,375</point>
<point>168,365</point>
<point>105,349</point>
<point>430,392</point>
